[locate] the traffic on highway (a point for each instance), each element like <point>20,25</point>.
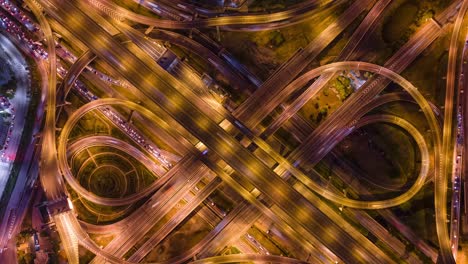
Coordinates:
<point>157,131</point>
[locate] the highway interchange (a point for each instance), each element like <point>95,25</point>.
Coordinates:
<point>216,146</point>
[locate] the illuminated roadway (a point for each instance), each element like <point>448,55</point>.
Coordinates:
<point>259,104</point>
<point>448,140</point>
<point>84,64</point>
<point>294,14</point>
<point>84,143</point>
<point>219,133</point>
<point>50,177</point>
<point>211,148</point>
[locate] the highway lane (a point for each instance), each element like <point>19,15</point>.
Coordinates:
<point>448,161</point>
<point>347,178</point>
<point>385,73</point>
<point>440,205</point>
<point>421,140</point>
<point>261,20</point>
<point>236,79</point>
<point>354,184</point>
<point>162,204</point>
<point>462,131</point>
<point>375,103</point>
<point>400,59</point>
<point>69,82</point>
<point>185,7</point>
<point>105,140</point>
<point>150,208</point>
<point>366,25</point>
<point>154,209</point>
<point>142,222</point>
<point>248,258</point>
<point>48,169</point>
<point>345,116</point>
<point>364,219</point>
<point>216,113</point>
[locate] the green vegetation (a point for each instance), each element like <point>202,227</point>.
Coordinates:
<point>91,124</point>
<point>107,182</point>
<point>25,258</point>
<point>109,173</point>
<point>276,39</point>
<point>22,239</point>
<point>155,228</point>
<point>322,114</point>
<point>221,201</point>
<point>343,85</point>
<point>327,100</point>
<point>100,214</point>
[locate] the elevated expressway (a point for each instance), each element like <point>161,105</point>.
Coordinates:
<point>110,141</point>
<point>259,21</point>
<point>120,145</point>
<point>85,56</point>
<point>232,142</point>
<point>50,177</point>
<point>450,160</point>
<point>71,74</point>
<point>351,45</point>
<point>411,129</point>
